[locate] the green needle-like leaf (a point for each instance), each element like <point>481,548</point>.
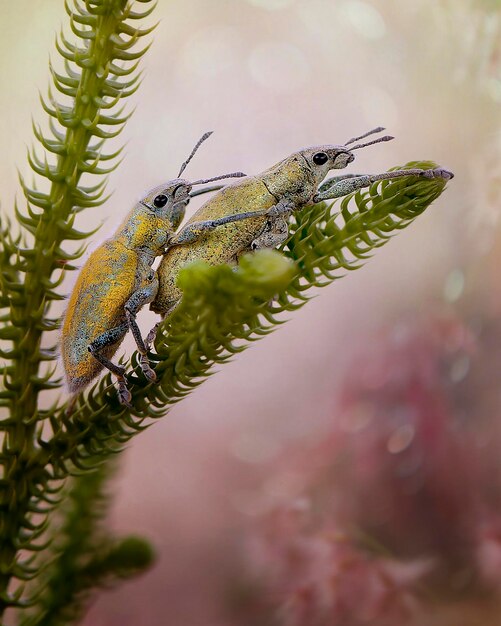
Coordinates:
<point>96,57</point>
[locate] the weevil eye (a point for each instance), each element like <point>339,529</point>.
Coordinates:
<point>320,158</point>
<point>160,201</point>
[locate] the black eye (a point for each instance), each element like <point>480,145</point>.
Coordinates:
<point>160,201</point>
<point>320,158</point>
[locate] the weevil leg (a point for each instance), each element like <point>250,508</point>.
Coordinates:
<point>124,395</point>
<point>281,209</point>
<point>150,337</point>
<point>275,233</point>
<point>196,230</point>
<point>137,300</point>
<point>104,340</point>
<point>327,184</point>
<point>346,186</point>
<point>71,404</point>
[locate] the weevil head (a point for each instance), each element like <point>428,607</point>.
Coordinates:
<point>156,216</point>
<point>322,159</point>
<point>168,201</point>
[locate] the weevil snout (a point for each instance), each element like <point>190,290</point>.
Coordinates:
<point>181,192</point>
<point>329,157</point>
<point>342,159</point>
<point>322,159</point>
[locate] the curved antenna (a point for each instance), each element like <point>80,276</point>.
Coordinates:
<point>370,143</point>
<point>197,146</point>
<point>379,129</point>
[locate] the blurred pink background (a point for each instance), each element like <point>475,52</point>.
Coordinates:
<point>270,77</point>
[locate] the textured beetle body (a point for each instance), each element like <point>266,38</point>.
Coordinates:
<point>108,279</point>
<point>112,274</point>
<point>292,181</point>
<point>273,195</point>
<point>118,280</point>
<point>246,195</point>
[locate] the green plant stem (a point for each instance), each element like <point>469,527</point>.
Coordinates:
<point>29,314</point>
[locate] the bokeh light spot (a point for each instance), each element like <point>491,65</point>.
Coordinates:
<point>358,418</point>
<point>454,286</point>
<point>459,369</point>
<point>400,439</point>
<point>364,18</point>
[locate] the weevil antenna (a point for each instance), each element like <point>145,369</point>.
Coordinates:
<point>211,180</point>
<point>379,129</point>
<point>370,143</point>
<point>193,152</point>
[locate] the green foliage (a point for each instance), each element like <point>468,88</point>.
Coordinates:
<point>53,547</point>
<point>83,555</point>
<point>99,70</point>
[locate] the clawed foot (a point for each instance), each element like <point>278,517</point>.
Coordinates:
<point>150,338</point>
<point>143,360</point>
<point>438,172</point>
<point>272,301</point>
<point>145,367</point>
<point>124,395</point>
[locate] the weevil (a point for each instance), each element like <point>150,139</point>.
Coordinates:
<point>273,195</point>
<point>117,280</point>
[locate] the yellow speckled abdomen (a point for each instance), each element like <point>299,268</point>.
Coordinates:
<point>96,305</point>
<point>224,243</point>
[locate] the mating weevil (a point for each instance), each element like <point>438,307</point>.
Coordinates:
<point>118,279</point>
<point>272,196</point>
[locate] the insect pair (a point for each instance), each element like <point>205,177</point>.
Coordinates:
<point>251,213</point>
